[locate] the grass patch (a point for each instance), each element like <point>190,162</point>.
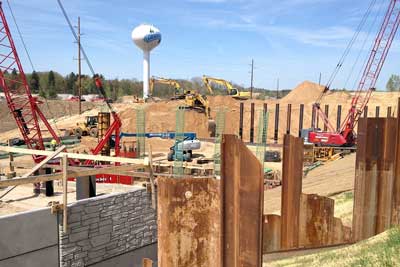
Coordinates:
<point>381,251</point>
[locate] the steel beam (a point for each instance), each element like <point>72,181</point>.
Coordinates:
<point>292,172</point>
<point>242,190</point>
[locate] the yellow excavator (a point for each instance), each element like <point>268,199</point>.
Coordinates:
<point>178,89</point>
<point>232,91</point>
<point>193,99</point>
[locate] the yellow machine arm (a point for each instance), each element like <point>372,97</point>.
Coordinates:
<point>232,91</point>
<point>161,80</point>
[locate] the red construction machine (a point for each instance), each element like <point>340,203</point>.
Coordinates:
<point>345,136</point>
<point>24,107</point>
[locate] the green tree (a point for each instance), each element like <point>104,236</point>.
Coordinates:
<point>14,76</point>
<point>393,84</point>
<point>51,85</point>
<point>71,86</point>
<point>34,82</point>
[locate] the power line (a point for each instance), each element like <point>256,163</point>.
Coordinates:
<point>20,35</point>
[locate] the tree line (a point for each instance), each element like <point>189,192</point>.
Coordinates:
<point>50,84</point>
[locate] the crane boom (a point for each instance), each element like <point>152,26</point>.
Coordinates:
<point>23,106</point>
<point>373,68</point>
<point>345,135</point>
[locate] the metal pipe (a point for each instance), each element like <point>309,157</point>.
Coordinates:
<point>338,117</point>
<point>301,119</point>
<point>241,120</point>
<point>327,115</point>
<point>276,123</point>
<point>252,123</point>
<point>288,118</point>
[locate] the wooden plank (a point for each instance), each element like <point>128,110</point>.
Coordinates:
<point>49,157</point>
<point>71,173</point>
<point>242,204</point>
<point>71,155</point>
<point>292,171</point>
<point>271,233</point>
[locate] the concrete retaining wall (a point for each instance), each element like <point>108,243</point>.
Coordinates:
<point>29,239</point>
<point>104,228</point>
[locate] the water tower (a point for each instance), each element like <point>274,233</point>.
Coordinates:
<point>146,37</point>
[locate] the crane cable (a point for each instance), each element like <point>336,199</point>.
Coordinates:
<point>100,90</point>
<point>372,46</point>
<point>367,37</point>
<point>31,63</point>
<point>350,45</point>
<point>20,34</point>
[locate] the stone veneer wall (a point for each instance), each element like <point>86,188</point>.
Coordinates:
<point>107,226</point>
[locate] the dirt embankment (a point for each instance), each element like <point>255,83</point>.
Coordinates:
<point>161,116</point>
<point>52,109</point>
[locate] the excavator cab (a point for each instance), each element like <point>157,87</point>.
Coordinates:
<point>233,92</point>
<point>91,121</point>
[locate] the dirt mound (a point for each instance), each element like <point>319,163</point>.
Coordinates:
<point>304,93</point>
<point>52,109</point>
<point>161,117</point>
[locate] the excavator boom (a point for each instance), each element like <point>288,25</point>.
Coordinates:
<point>234,92</point>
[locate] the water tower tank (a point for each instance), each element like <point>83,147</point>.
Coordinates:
<point>146,37</point>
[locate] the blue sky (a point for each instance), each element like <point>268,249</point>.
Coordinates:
<point>294,40</point>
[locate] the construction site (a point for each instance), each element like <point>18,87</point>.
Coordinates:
<point>199,179</point>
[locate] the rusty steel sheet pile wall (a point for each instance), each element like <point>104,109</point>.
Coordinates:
<point>375,178</point>
<point>271,233</point>
<point>188,222</point>
<point>396,184</point>
<point>292,173</point>
<point>307,221</point>
<point>213,222</point>
<point>318,226</point>
<point>242,198</point>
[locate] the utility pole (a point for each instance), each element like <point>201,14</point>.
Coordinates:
<point>320,78</point>
<point>79,67</point>
<point>277,89</point>
<point>252,77</point>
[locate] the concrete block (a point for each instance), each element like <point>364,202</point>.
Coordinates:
<point>90,221</point>
<point>92,209</point>
<point>106,229</point>
<point>74,217</point>
<point>100,240</point>
<point>96,254</point>
<point>28,231</point>
<point>73,237</point>
<point>40,258</point>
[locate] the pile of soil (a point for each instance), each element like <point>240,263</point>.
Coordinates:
<point>161,115</point>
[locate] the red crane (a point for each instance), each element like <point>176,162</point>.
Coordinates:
<point>24,107</point>
<point>345,136</point>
